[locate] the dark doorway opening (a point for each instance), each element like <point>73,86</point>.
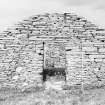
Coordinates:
<point>54,62</point>
<point>58,73</point>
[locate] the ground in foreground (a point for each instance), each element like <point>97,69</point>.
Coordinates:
<point>52,97</point>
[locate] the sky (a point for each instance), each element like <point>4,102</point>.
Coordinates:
<point>13,11</point>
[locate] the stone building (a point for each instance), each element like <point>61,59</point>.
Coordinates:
<point>52,47</point>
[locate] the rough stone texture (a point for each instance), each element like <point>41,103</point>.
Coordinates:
<point>21,50</point>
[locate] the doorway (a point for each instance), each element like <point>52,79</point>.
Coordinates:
<point>54,67</point>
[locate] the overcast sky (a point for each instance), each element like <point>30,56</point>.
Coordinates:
<point>12,11</point>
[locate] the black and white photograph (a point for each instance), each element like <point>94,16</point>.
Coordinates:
<point>52,52</point>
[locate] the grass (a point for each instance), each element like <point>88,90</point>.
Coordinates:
<point>39,96</point>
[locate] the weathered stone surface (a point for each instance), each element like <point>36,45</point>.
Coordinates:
<point>22,51</point>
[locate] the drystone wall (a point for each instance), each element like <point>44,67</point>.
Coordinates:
<point>21,49</point>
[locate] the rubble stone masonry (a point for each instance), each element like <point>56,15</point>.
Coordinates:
<point>22,50</point>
